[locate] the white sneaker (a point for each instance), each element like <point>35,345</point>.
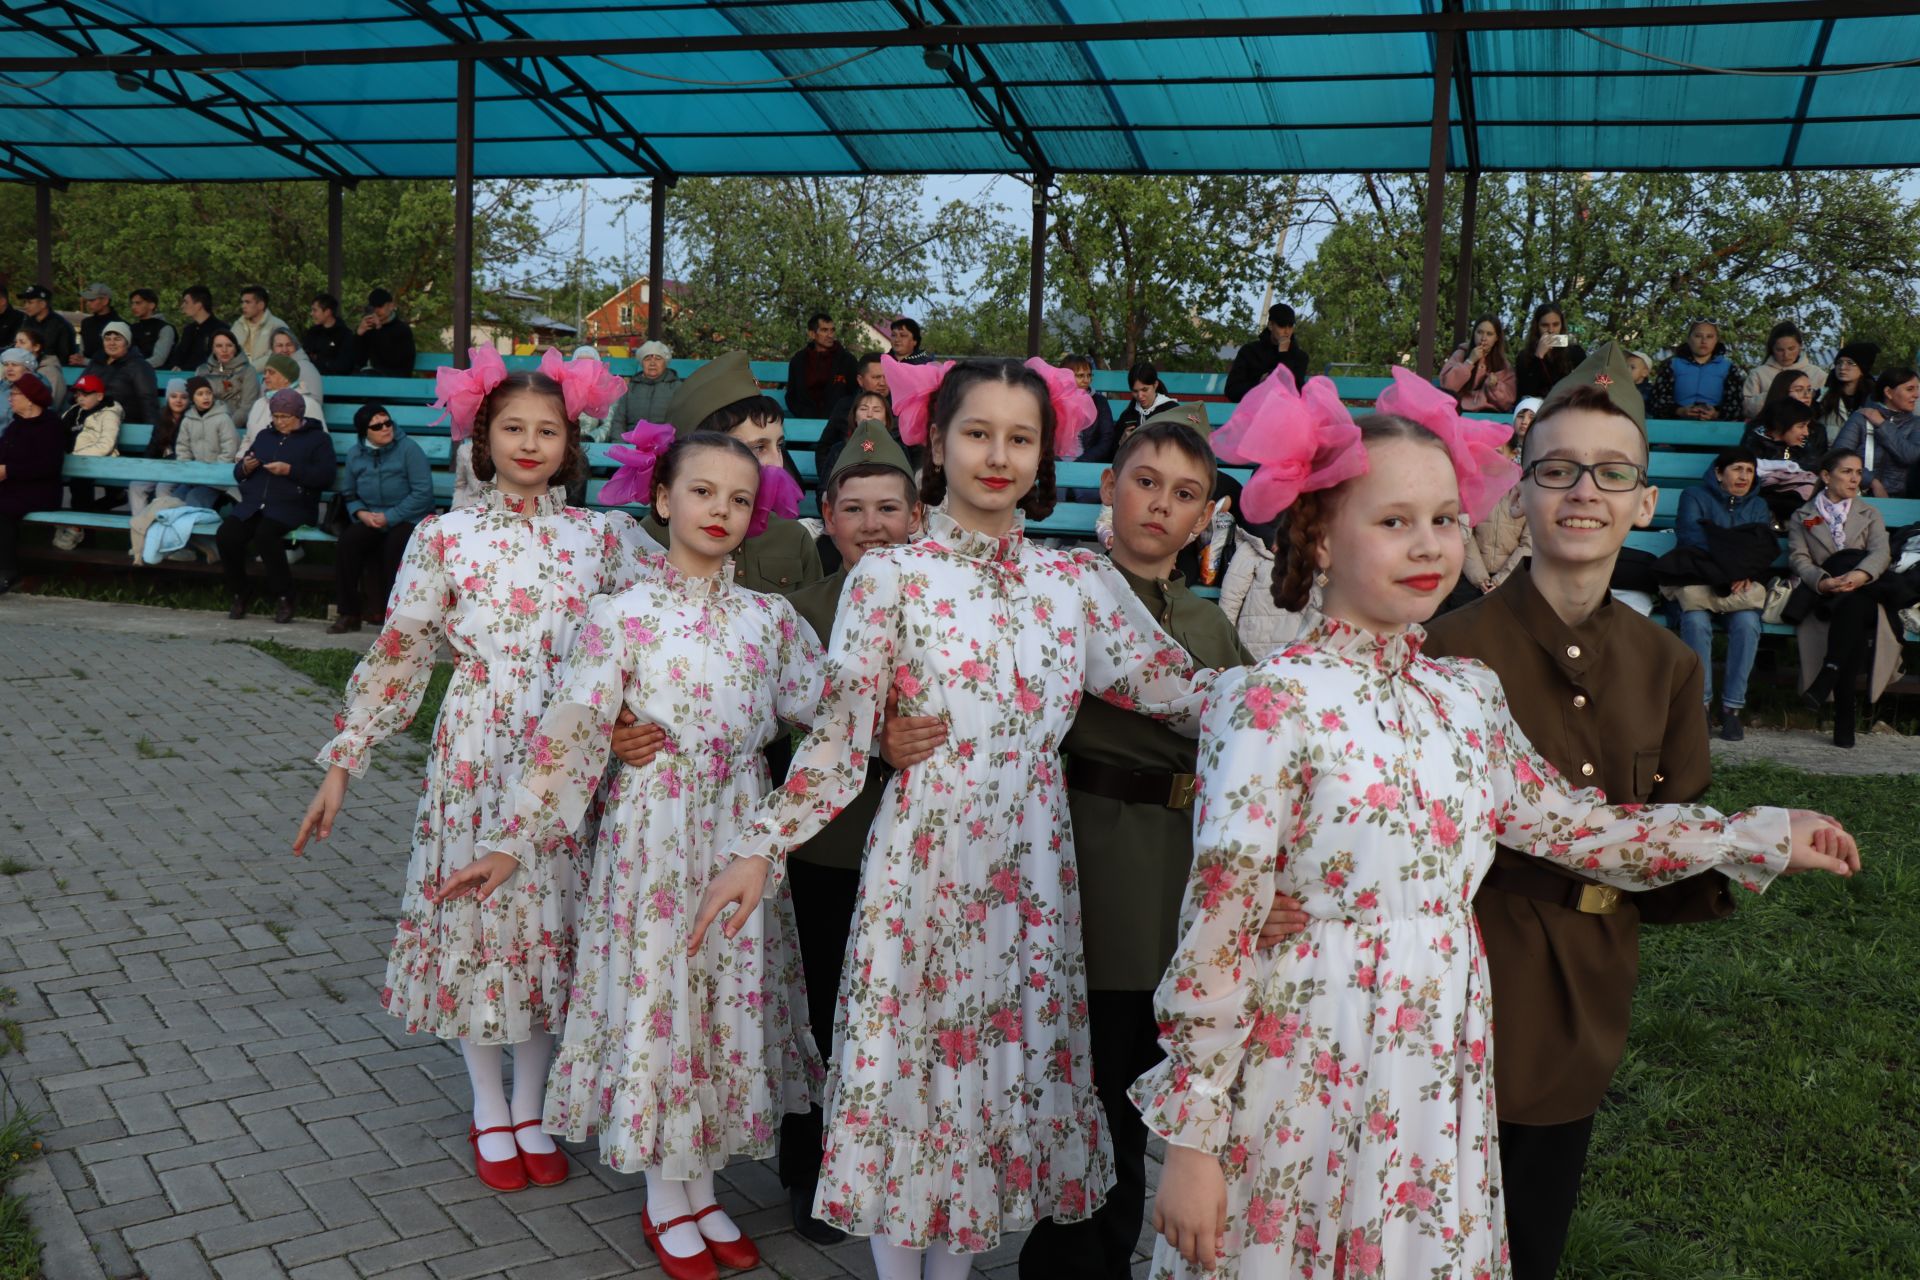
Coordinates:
<point>67,537</point>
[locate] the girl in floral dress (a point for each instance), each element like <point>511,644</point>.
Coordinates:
<point>1329,1106</point>
<point>678,1059</point>
<point>960,1103</point>
<point>504,585</point>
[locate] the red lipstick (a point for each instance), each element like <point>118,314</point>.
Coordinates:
<point>995,483</point>
<point>1422,582</point>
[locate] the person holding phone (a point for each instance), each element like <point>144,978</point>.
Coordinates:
<point>1550,354</point>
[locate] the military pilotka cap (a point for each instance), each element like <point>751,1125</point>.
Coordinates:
<point>870,445</point>
<point>722,381</point>
<point>1605,367</point>
<point>1186,415</point>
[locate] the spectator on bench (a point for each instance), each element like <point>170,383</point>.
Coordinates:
<point>1727,498</point>
<point>57,337</point>
<point>195,347</point>
<point>869,378</point>
<point>125,373</point>
<point>281,374</point>
<point>906,338</point>
<point>388,490</point>
<point>1785,350</point>
<point>1849,388</point>
<point>97,301</point>
<point>1102,436</point>
<point>650,390</point>
<point>1275,346</point>
<point>15,364</point>
<point>1837,546</point>
<point>236,384</point>
<point>152,332</point>
<point>32,451</point>
<point>1640,367</point>
<point>254,329</point>
<point>31,339</point>
<point>820,372</point>
<point>1547,358</point>
<point>1477,372</point>
<point>386,341</point>
<point>1699,380</point>
<point>331,344</point>
<point>93,431</point>
<point>1149,397</point>
<point>309,381</point>
<point>160,445</point>
<point>868,406</point>
<point>207,434</point>
<point>1891,413</point>
<point>281,478</point>
<point>11,318</point>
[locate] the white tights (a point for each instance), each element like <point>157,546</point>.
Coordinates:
<point>899,1262</point>
<point>491,1107</point>
<point>670,1198</point>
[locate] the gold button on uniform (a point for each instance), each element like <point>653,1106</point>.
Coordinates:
<point>1579,699</point>
<point>1573,651</point>
<point>1586,770</point>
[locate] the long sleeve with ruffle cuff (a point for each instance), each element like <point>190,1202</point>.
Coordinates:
<point>1131,662</point>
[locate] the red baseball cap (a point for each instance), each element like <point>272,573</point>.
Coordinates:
<point>89,382</point>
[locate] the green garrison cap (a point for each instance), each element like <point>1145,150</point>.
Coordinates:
<point>870,445</point>
<point>1605,367</point>
<point>1187,415</point>
<point>721,381</point>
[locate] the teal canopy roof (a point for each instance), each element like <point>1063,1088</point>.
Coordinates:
<point>247,90</point>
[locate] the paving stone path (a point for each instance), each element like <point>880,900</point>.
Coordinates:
<point>220,1093</point>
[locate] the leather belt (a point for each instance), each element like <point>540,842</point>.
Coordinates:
<point>1544,886</point>
<point>1131,786</point>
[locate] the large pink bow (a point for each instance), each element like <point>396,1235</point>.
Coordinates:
<point>1484,472</point>
<point>779,496</point>
<point>589,386</point>
<point>1297,441</point>
<point>912,388</point>
<point>459,393</point>
<point>632,484</point>
<point>1073,410</point>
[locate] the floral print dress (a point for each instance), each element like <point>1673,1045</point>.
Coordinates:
<point>678,1062</point>
<point>1345,1082</point>
<point>505,585</point>
<point>961,1104</point>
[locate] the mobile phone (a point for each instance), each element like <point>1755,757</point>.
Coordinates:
<point>1560,340</point>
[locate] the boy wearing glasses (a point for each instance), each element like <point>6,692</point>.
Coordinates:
<point>1612,700</point>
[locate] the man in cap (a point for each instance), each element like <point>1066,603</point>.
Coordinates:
<point>125,373</point>
<point>1611,700</point>
<point>650,390</point>
<point>386,341</point>
<point>328,343</point>
<point>820,372</point>
<point>1275,346</point>
<point>152,333</point>
<point>60,341</point>
<point>11,317</point>
<point>254,329</point>
<point>97,301</point>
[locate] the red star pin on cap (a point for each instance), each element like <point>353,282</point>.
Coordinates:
<point>1602,380</point>
<point>866,446</point>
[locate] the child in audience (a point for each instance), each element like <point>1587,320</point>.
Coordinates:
<point>505,586</point>
<point>207,434</point>
<point>236,383</point>
<point>160,445</point>
<point>93,431</point>
<point>678,1056</point>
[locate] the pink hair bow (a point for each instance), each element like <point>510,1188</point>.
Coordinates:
<point>459,393</point>
<point>1297,442</point>
<point>632,484</point>
<point>589,386</point>
<point>779,496</point>
<point>1073,410</point>
<point>1484,472</point>
<point>912,388</point>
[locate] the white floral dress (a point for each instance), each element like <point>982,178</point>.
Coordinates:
<point>678,1062</point>
<point>961,1104</point>
<point>1345,1082</point>
<point>505,584</point>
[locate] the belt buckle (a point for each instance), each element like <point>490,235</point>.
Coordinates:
<point>1180,794</point>
<point>1599,899</point>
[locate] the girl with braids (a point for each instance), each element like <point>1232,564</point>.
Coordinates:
<point>1329,1105</point>
<point>960,1103</point>
<point>505,586</point>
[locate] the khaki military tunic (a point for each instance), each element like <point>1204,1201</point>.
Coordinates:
<point>778,562</point>
<point>844,840</point>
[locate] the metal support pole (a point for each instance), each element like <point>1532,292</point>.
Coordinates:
<point>657,264</point>
<point>1037,283</point>
<point>336,248</point>
<point>463,217</point>
<point>1436,199</point>
<point>43,226</point>
<point>1463,299</point>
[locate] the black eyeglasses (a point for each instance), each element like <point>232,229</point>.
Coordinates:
<point>1608,477</point>
<point>380,426</point>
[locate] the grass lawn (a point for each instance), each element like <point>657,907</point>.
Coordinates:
<point>1765,1124</point>
<point>331,668</point>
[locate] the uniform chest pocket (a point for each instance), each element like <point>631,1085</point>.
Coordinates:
<point>780,573</point>
<point>1646,774</point>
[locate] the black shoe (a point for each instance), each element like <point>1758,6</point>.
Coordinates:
<point>238,609</point>
<point>1843,737</point>
<point>283,612</point>
<point>1731,729</point>
<point>1816,693</point>
<point>800,1202</point>
<point>6,585</point>
<point>344,623</point>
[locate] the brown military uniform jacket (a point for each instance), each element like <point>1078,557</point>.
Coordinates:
<point>1614,703</point>
<point>842,842</point>
<point>778,562</point>
<point>1134,857</point>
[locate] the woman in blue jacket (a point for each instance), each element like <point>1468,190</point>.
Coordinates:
<point>389,489</point>
<point>1727,497</point>
<point>282,475</point>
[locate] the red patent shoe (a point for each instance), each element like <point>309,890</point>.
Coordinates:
<point>544,1169</point>
<point>501,1175</point>
<point>735,1255</point>
<point>698,1267</point>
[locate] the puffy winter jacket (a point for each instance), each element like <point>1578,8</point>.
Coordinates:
<point>129,380</point>
<point>95,432</point>
<point>1709,503</point>
<point>292,499</point>
<point>645,400</point>
<point>206,437</point>
<point>394,481</point>
<point>1246,597</point>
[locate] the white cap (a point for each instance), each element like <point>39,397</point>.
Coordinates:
<point>655,348</point>
<point>1530,405</point>
<point>586,353</point>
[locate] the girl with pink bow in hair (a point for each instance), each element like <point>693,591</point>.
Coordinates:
<point>679,1059</point>
<point>1329,1104</point>
<point>504,584</point>
<point>960,1103</point>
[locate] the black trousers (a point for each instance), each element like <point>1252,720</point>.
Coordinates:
<point>365,557</point>
<point>1540,1169</point>
<point>9,546</point>
<point>255,535</point>
<point>823,899</point>
<point>1125,1046</point>
<point>1850,638</point>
